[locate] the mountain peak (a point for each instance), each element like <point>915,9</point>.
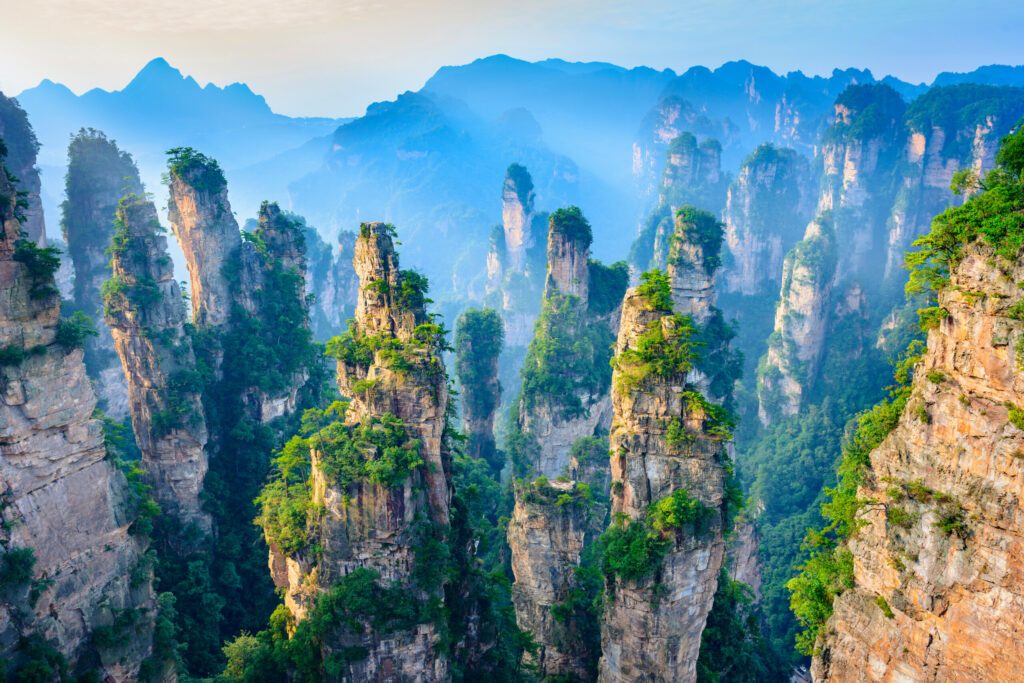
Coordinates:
<point>156,71</point>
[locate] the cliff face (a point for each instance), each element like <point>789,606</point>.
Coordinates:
<point>801,323</point>
<point>766,209</point>
<point>146,314</point>
<point>937,567</point>
<point>62,497</point>
<point>22,147</point>
<point>331,279</point>
<point>99,174</point>
<point>376,520</point>
<point>478,340</point>
<point>207,231</point>
<point>662,454</point>
<point>517,198</point>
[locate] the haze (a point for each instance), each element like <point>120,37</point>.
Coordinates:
<point>333,57</point>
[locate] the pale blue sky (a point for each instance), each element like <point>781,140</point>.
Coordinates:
<point>333,57</point>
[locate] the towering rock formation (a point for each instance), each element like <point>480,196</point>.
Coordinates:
<point>380,488</point>
<point>146,315</point>
<point>478,339</point>
<point>517,198</point>
<point>22,147</point>
<point>801,323</point>
<point>207,231</point>
<point>937,589</point>
<point>766,210</point>
<point>564,411</point>
<point>76,583</point>
<point>99,174</point>
<point>950,128</point>
<point>692,175</point>
<point>664,550</point>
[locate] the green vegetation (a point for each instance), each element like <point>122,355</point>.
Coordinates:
<point>568,358</point>
<point>656,290</point>
<point>632,550</point>
<point>41,263</point>
<point>16,568</point>
<point>703,230</point>
<point>732,647</point>
<point>522,181</point>
<point>883,605</point>
<point>73,331</point>
<point>875,109</point>
<point>960,108</point>
<point>196,169</point>
<point>478,341</point>
<point>570,223</point>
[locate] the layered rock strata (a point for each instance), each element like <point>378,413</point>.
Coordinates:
<point>937,568</point>
<point>662,447</point>
<point>63,500</point>
<point>146,314</point>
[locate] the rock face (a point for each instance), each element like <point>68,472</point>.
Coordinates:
<point>652,625</point>
<point>377,525</point>
<point>801,322</point>
<point>517,198</point>
<point>99,174</point>
<point>939,545</point>
<point>557,516</point>
<point>62,496</point>
<point>693,176</point>
<point>766,210</point>
<point>208,233</point>
<point>22,147</point>
<point>146,314</point>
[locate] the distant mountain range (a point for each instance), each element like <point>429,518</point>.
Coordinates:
<point>432,162</point>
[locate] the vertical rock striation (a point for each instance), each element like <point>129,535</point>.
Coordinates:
<point>766,210</point>
<point>146,315</point>
<point>517,198</point>
<point>63,499</point>
<point>664,550</point>
<point>332,281</point>
<point>99,174</point>
<point>381,480</point>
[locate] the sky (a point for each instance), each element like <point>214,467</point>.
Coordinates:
<point>334,57</point>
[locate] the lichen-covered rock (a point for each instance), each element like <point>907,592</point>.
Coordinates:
<point>937,567</point>
<point>652,623</point>
<point>146,314</point>
<point>62,497</point>
<point>99,174</point>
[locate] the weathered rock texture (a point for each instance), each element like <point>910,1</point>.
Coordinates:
<point>332,281</point>
<point>801,323</point>
<point>766,210</point>
<point>370,525</point>
<point>955,596</point>
<point>99,174</point>
<point>22,147</point>
<point>652,627</point>
<point>146,314</point>
<point>62,497</point>
<point>208,233</point>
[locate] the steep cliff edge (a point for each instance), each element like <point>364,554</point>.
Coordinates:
<point>77,586</point>
<point>925,523</point>
<point>664,549</point>
<point>331,279</point>
<point>22,147</point>
<point>99,174</point>
<point>146,314</point>
<point>375,491</point>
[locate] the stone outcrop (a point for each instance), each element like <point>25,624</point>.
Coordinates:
<point>937,566</point>
<point>146,314</point>
<point>62,497</point>
<point>766,209</point>
<point>208,233</point>
<point>378,525</point>
<point>99,174</point>
<point>19,139</point>
<point>517,197</point>
<point>801,323</point>
<point>652,624</point>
